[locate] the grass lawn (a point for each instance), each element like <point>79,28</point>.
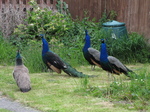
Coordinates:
<point>62,93</point>
<point>4,110</point>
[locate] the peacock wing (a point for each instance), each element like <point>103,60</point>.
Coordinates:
<point>53,59</point>
<point>94,56</point>
<point>54,68</point>
<point>95,53</point>
<point>119,67</point>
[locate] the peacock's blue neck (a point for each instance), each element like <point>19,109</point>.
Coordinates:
<point>103,54</point>
<point>45,46</point>
<point>87,42</point>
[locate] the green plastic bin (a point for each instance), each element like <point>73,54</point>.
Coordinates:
<point>115,29</point>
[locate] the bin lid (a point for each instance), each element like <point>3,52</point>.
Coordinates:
<point>113,23</point>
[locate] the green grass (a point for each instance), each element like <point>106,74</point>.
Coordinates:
<point>62,93</point>
<point>4,110</point>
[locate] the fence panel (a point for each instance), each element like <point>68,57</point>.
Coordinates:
<point>135,13</point>
<point>12,12</point>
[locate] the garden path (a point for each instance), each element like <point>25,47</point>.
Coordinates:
<point>14,106</point>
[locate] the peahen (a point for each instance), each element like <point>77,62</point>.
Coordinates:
<point>21,74</point>
<point>90,54</point>
<point>54,62</point>
<point>110,63</point>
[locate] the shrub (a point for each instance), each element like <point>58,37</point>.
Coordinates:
<point>8,52</point>
<point>41,21</point>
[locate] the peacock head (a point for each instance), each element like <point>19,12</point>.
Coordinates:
<point>45,44</point>
<point>42,35</point>
<point>18,56</point>
<point>103,51</point>
<point>87,41</point>
<point>102,40</point>
<point>87,37</point>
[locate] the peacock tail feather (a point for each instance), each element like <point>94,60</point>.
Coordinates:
<point>73,72</point>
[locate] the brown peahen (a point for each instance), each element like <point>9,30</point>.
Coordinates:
<point>21,74</point>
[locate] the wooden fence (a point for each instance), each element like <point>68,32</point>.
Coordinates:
<point>12,12</point>
<point>135,13</point>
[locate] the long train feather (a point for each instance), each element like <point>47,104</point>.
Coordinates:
<point>73,72</point>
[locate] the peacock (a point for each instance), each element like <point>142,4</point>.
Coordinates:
<point>55,63</point>
<point>21,74</point>
<point>110,63</point>
<point>51,59</point>
<point>90,54</point>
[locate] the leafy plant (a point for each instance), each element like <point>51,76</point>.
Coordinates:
<point>8,52</point>
<point>41,21</point>
<point>62,7</point>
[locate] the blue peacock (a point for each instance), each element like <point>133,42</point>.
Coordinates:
<point>21,74</point>
<point>54,62</point>
<point>110,63</point>
<point>51,59</point>
<point>90,54</point>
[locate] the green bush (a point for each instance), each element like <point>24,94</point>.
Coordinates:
<point>41,21</point>
<point>7,52</point>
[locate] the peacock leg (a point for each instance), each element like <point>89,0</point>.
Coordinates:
<point>51,71</point>
<point>113,77</point>
<point>92,67</point>
<point>110,77</point>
